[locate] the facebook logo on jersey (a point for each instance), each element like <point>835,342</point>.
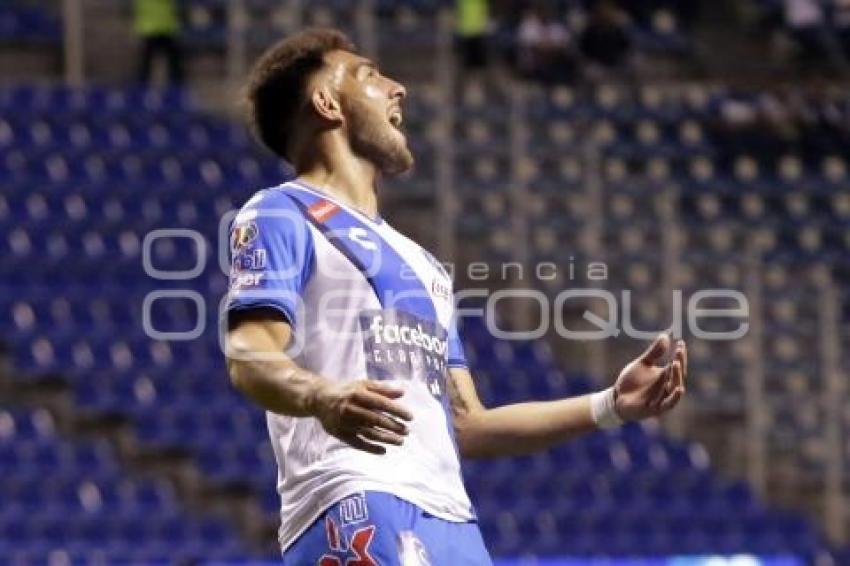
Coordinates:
<point>400,345</point>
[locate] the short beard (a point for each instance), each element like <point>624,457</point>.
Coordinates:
<point>369,140</point>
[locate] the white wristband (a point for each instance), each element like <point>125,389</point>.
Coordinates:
<point>603,411</point>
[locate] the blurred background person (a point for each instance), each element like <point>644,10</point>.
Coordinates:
<point>805,20</point>
<point>472,18</point>
<point>544,46</point>
<point>841,23</point>
<point>157,23</point>
<point>605,42</point>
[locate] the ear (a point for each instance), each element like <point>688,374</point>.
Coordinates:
<point>326,105</point>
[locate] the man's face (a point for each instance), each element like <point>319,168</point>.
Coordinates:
<point>371,105</point>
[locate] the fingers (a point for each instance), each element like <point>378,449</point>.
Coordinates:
<point>364,415</point>
<point>658,390</point>
<point>678,379</point>
<point>357,442</point>
<point>381,436</point>
<point>370,431</point>
<point>375,399</point>
<point>671,401</point>
<point>678,389</point>
<point>360,417</point>
<point>384,389</point>
<point>681,356</point>
<point>656,350</point>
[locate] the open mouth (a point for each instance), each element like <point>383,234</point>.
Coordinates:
<point>396,118</point>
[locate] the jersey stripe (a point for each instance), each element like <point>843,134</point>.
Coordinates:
<point>393,289</point>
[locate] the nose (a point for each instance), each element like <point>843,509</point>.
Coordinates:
<point>397,90</point>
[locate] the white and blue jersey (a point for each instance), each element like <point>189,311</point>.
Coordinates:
<point>363,301</point>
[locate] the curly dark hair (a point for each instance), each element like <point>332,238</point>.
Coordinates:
<point>276,88</point>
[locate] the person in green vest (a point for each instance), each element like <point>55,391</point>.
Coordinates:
<point>157,23</point>
<point>472,19</point>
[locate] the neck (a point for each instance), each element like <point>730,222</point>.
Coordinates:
<point>336,170</point>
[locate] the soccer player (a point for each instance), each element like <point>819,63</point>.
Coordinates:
<point>342,330</point>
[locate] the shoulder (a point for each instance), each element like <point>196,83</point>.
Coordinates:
<point>267,201</point>
<point>271,207</point>
<point>270,234</point>
<point>272,219</point>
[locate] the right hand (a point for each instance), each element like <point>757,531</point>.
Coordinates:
<point>646,389</point>
<point>363,414</point>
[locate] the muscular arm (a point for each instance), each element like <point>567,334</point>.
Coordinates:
<point>515,429</point>
<point>259,369</point>
<point>362,413</point>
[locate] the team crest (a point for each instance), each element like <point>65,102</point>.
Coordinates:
<point>242,236</point>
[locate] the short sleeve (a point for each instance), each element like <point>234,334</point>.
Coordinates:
<point>456,356</point>
<point>272,256</point>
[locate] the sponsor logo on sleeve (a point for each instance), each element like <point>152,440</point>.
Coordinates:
<point>243,235</point>
<point>245,280</point>
<point>248,261</point>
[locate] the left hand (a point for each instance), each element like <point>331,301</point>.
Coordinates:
<point>644,389</point>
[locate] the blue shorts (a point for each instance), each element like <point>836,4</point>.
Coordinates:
<point>379,529</point>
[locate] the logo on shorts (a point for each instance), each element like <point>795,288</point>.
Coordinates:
<point>353,552</point>
<point>411,551</point>
<point>353,509</point>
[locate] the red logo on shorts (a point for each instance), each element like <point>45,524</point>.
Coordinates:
<point>359,546</point>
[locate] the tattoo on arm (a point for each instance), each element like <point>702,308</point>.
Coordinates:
<point>458,403</point>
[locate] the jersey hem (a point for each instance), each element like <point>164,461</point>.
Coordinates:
<point>282,309</point>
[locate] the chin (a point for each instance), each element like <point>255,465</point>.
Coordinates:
<point>399,163</point>
<point>387,150</point>
<point>398,158</point>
